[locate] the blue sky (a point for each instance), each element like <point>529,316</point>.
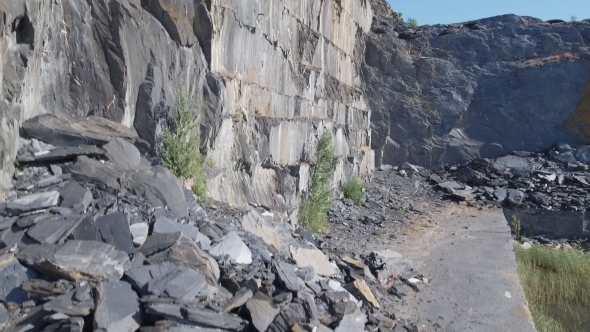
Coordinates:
<point>456,11</point>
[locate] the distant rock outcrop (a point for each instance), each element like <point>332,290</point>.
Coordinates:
<point>447,93</point>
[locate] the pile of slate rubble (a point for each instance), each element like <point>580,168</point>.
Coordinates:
<point>96,237</point>
<point>556,179</point>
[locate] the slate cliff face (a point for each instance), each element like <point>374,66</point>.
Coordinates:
<point>445,94</point>
<point>267,76</point>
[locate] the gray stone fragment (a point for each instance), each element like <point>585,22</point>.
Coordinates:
<point>314,258</point>
<point>139,232</point>
<point>50,230</point>
<point>123,154</point>
<point>104,176</point>
<point>12,275</point>
<point>565,157</point>
<point>74,196</point>
<point>540,198</point>
<point>15,236</point>
<point>287,276</point>
<point>514,197</point>
<point>78,260</point>
<point>160,188</point>
<point>388,263</point>
<point>3,316</point>
<point>142,275</point>
<point>87,230</point>
<point>181,283</point>
<point>232,247</point>
<point>187,253</point>
<point>117,308</point>
<point>500,194</point>
<point>385,167</point>
<point>77,302</point>
<point>262,311</point>
<point>114,229</point>
<point>55,170</point>
<point>582,154</point>
<point>200,317</point>
<point>167,225</point>
<point>55,179</point>
<point>238,300</point>
<point>63,154</point>
<point>32,203</point>
<point>158,242</point>
<point>354,322</point>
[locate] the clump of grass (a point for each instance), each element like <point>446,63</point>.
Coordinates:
<point>238,115</point>
<point>412,22</point>
<point>180,146</point>
<point>555,279</point>
<point>18,166</point>
<point>313,210</point>
<point>353,190</point>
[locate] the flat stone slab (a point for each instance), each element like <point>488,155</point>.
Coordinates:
<point>167,225</point>
<point>123,154</point>
<point>160,188</point>
<point>314,258</point>
<point>32,203</point>
<point>104,176</point>
<point>262,311</point>
<point>12,275</point>
<point>50,230</point>
<point>74,196</point>
<point>80,260</point>
<point>117,308</point>
<point>232,246</point>
<point>62,154</point>
<point>139,232</point>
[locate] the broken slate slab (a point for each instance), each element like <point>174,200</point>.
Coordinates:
<point>160,188</point>
<point>514,197</point>
<point>62,154</point>
<point>354,322</point>
<point>12,275</point>
<point>123,154</point>
<point>104,176</point>
<point>238,300</point>
<point>117,308</point>
<point>195,316</point>
<point>287,276</point>
<point>142,275</point>
<point>75,197</point>
<point>139,232</point>
<point>314,258</point>
<point>360,289</point>
<point>4,318</point>
<point>114,229</point>
<point>186,252</point>
<point>32,203</point>
<point>232,247</point>
<point>79,260</point>
<point>262,227</point>
<point>55,179</point>
<point>262,311</point>
<point>158,242</point>
<point>167,225</point>
<point>180,283</point>
<point>50,230</point>
<point>78,302</point>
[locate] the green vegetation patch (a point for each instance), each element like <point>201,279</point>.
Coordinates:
<point>180,146</point>
<point>557,287</point>
<point>353,190</point>
<point>313,210</point>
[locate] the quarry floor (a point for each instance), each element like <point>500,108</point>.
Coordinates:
<point>467,254</point>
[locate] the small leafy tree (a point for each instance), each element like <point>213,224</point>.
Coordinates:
<point>180,146</point>
<point>353,190</point>
<point>314,209</point>
<point>574,18</point>
<point>412,22</point>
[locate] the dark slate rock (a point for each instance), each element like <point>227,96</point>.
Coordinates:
<point>32,203</point>
<point>287,277</point>
<point>582,154</point>
<point>167,225</point>
<point>158,242</point>
<point>74,196</point>
<point>117,308</point>
<point>79,260</point>
<point>45,288</point>
<point>540,198</point>
<point>92,130</point>
<point>566,157</point>
<point>77,302</point>
<point>238,300</point>
<point>114,229</point>
<point>32,321</point>
<point>262,311</point>
<point>87,230</point>
<point>30,220</point>
<point>563,147</point>
<point>142,275</point>
<point>104,176</point>
<point>6,223</point>
<point>200,317</point>
<point>50,230</point>
<point>500,194</point>
<point>160,188</point>
<point>289,316</point>
<point>52,180</point>
<point>4,318</point>
<point>12,275</point>
<point>62,154</point>
<point>181,283</point>
<point>15,236</point>
<point>123,154</point>
<point>515,197</point>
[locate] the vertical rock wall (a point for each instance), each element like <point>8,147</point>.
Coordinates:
<point>267,77</point>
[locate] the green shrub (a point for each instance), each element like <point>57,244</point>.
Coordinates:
<point>412,22</point>
<point>397,15</point>
<point>180,146</point>
<point>314,209</point>
<point>353,190</point>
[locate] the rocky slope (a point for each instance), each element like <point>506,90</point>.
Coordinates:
<point>447,93</point>
<point>267,78</point>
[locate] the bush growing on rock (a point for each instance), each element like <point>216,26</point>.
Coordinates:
<point>314,209</point>
<point>180,146</point>
<point>353,190</point>
<point>412,22</point>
